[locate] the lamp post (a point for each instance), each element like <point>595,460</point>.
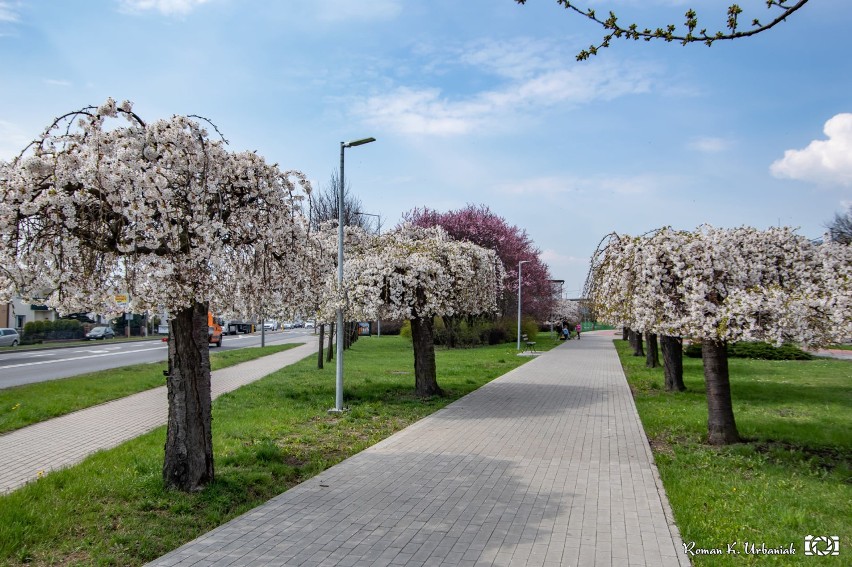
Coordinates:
<point>521,263</point>
<point>338,398</point>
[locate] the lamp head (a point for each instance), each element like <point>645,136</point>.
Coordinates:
<point>360,142</point>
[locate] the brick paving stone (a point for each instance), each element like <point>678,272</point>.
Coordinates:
<point>57,443</point>
<point>547,465</point>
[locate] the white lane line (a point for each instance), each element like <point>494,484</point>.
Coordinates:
<point>39,362</point>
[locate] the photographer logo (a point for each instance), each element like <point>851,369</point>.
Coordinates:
<point>822,545</point>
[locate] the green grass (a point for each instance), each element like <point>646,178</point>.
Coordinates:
<point>268,436</point>
<point>841,347</point>
<point>71,343</point>
<point>25,405</point>
<point>791,477</point>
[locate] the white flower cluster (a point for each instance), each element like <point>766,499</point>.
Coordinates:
<point>565,310</point>
<point>157,211</point>
<point>727,284</point>
<point>413,272</point>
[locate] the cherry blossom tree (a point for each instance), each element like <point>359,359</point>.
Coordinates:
<point>692,32</point>
<point>160,212</point>
<point>417,274</point>
<point>566,310</point>
<point>726,285</point>
<point>477,224</point>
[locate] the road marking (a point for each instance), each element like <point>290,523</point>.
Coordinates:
<point>39,362</point>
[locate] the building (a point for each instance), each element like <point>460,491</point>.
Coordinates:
<point>18,313</point>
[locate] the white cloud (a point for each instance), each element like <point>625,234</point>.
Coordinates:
<point>710,145</point>
<point>822,161</point>
<point>8,12</point>
<point>411,111</point>
<point>428,111</point>
<point>362,10</point>
<point>554,257</point>
<point>593,185</point>
<point>57,82</point>
<point>539,186</point>
<point>518,58</point>
<point>167,7</point>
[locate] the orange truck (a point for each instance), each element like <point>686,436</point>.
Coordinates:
<point>214,330</point>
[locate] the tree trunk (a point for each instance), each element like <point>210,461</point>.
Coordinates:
<point>330,353</point>
<point>625,333</point>
<point>652,358</point>
<point>188,464</point>
<point>321,346</point>
<point>721,427</point>
<point>637,343</point>
<point>425,373</point>
<point>672,348</point>
<point>451,325</point>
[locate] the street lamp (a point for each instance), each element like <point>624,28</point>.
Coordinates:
<point>521,263</point>
<point>338,398</point>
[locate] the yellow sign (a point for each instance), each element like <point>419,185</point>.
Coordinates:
<point>121,298</point>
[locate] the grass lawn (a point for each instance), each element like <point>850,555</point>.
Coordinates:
<point>268,436</point>
<point>78,343</point>
<point>790,479</point>
<point>24,405</point>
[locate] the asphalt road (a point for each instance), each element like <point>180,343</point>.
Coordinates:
<point>19,366</point>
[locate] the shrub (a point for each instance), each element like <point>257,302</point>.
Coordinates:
<point>52,330</point>
<point>497,335</point>
<point>475,331</point>
<point>405,330</point>
<point>765,351</point>
<point>755,350</point>
<point>529,328</point>
<point>392,327</point>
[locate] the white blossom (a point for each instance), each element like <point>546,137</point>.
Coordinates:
<point>412,272</point>
<point>158,211</point>
<point>727,285</point>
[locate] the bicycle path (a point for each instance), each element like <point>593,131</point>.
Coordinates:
<point>547,465</point>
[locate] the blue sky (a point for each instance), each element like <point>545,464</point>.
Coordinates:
<point>474,101</point>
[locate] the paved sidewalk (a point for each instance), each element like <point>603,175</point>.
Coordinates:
<point>547,465</point>
<point>66,440</point>
<point>833,353</point>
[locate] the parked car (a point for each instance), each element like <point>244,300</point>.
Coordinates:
<point>99,333</point>
<point>270,326</point>
<point>9,337</point>
<point>309,324</point>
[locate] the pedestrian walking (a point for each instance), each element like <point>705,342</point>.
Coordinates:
<point>579,328</point>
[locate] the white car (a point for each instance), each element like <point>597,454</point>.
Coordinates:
<point>9,337</point>
<point>270,326</point>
